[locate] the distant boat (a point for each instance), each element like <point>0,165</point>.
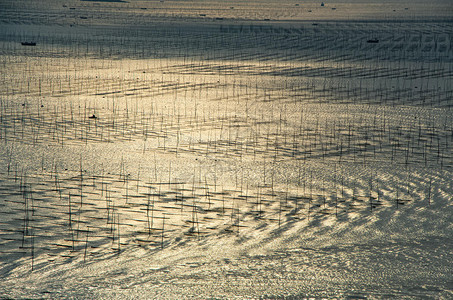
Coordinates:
<point>373,41</point>
<point>28,44</point>
<point>93,116</point>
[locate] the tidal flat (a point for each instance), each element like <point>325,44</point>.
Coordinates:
<point>226,149</point>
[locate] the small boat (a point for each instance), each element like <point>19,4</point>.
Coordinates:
<point>373,41</point>
<point>28,44</point>
<point>93,116</point>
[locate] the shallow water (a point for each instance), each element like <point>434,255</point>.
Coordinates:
<point>249,150</point>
